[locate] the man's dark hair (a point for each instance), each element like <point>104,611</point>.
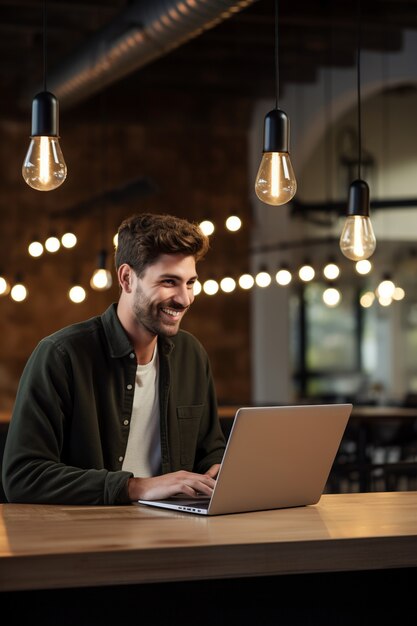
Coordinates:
<point>142,238</point>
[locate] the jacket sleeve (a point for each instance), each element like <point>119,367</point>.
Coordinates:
<point>34,470</point>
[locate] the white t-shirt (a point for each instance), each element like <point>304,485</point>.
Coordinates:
<point>143,452</point>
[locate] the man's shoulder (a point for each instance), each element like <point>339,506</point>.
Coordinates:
<point>75,333</point>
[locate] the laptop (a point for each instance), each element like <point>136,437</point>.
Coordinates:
<point>276,457</point>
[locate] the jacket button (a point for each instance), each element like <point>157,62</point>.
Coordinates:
<point>129,387</point>
<point>126,422</point>
<point>120,459</point>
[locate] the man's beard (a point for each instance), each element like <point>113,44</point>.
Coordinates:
<point>148,315</point>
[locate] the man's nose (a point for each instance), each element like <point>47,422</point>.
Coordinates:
<point>184,295</point>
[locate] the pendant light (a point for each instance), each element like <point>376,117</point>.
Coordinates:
<point>101,278</point>
<point>275,182</point>
<point>44,168</point>
<point>358,241</point>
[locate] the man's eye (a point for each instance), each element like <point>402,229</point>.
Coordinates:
<point>168,281</point>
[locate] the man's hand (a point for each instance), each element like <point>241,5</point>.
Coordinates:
<point>182,482</point>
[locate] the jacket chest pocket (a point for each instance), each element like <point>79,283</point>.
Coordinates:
<point>189,418</point>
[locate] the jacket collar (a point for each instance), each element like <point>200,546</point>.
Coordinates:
<point>117,339</point>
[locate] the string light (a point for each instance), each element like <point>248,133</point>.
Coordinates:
<point>35,249</point>
<point>233,223</point>
<point>207,227</point>
<point>399,293</point>
<point>210,287</point>
<point>385,289</point>
<point>263,279</point>
<point>331,296</point>
<point>4,286</point>
<point>283,277</point>
<point>69,240</point>
<point>306,273</point>
<point>197,288</point>
<point>77,294</point>
<point>367,299</point>
<point>246,281</point>
<point>228,284</point>
<point>363,267</point>
<point>331,271</point>
<point>52,244</point>
<point>18,292</point>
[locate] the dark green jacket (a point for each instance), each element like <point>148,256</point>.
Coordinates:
<point>70,424</point>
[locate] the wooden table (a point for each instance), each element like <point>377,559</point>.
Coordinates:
<point>115,549</point>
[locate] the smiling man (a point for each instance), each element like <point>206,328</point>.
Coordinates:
<point>122,406</point>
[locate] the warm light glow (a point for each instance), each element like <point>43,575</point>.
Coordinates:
<point>35,248</point>
<point>207,227</point>
<point>331,297</point>
<point>357,241</point>
<point>246,281</point>
<point>363,267</point>
<point>399,293</point>
<point>367,299</point>
<point>227,284</point>
<point>4,286</point>
<point>275,182</point>
<point>306,273</point>
<point>263,279</point>
<point>283,277</point>
<point>386,289</point>
<point>18,292</point>
<point>384,301</point>
<point>233,223</point>
<point>331,271</point>
<point>77,294</point>
<point>52,244</point>
<point>101,279</point>
<point>115,240</point>
<point>69,240</point>
<point>197,288</point>
<point>44,167</point>
<point>210,287</point>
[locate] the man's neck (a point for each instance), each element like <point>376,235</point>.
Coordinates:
<point>142,340</point>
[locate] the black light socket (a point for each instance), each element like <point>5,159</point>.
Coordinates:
<point>44,115</point>
<point>358,203</point>
<point>276,131</point>
<point>102,259</point>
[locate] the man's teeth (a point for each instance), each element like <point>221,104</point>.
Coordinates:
<point>171,312</point>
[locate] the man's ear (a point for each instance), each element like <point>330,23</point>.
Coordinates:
<point>125,275</point>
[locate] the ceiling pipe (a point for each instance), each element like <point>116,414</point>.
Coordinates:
<point>140,34</point>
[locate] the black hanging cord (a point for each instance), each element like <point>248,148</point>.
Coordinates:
<point>276,57</point>
<point>358,75</point>
<point>44,46</point>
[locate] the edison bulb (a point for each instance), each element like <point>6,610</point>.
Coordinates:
<point>101,279</point>
<point>52,244</point>
<point>4,286</point>
<point>207,227</point>
<point>331,297</point>
<point>77,294</point>
<point>227,284</point>
<point>275,183</point>
<point>18,292</point>
<point>283,277</point>
<point>35,249</point>
<point>69,240</point>
<point>210,287</point>
<point>44,167</point>
<point>357,241</point>
<point>246,281</point>
<point>197,288</point>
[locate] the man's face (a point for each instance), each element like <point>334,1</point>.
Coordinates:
<point>164,293</point>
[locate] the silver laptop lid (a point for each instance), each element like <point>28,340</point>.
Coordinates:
<point>278,457</point>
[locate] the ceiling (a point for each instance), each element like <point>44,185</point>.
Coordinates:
<point>234,58</point>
